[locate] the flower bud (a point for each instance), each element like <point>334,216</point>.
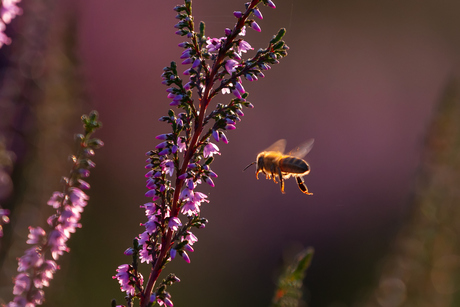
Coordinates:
<point>255,26</point>
<point>237,14</point>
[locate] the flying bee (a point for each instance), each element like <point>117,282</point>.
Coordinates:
<point>275,164</point>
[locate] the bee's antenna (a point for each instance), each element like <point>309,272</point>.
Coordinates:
<point>249,166</point>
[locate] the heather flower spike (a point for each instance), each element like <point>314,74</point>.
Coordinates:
<point>38,264</point>
<point>9,10</point>
<point>181,160</point>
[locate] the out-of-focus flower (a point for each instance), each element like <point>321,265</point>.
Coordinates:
<point>9,10</point>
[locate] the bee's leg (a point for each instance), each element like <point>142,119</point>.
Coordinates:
<point>261,171</point>
<point>281,180</point>
<point>302,185</point>
<point>272,171</point>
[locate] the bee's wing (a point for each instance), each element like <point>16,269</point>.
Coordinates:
<point>302,150</point>
<point>278,146</point>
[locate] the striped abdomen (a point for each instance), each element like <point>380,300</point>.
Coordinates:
<point>294,166</point>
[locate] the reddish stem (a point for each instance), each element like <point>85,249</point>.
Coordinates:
<point>204,102</point>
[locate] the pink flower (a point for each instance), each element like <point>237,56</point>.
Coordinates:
<point>31,259</point>
<point>230,66</point>
<point>181,144</point>
<point>223,137</point>
<point>214,44</point>
<point>123,277</point>
<point>225,90</point>
<point>167,166</point>
<point>36,235</point>
<point>174,223</point>
<point>210,149</point>
<point>243,31</point>
<point>187,259</point>
<point>192,206</point>
<point>191,238</point>
<point>255,26</point>
<point>271,4</point>
<point>215,135</point>
<point>257,13</point>
<point>243,47</point>
<point>55,200</point>
<point>21,284</point>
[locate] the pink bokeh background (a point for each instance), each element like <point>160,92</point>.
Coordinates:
<point>362,78</point>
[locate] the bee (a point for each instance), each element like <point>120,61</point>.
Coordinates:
<point>275,164</point>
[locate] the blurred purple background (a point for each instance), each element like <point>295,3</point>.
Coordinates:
<point>361,77</point>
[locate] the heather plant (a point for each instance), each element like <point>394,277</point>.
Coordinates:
<point>38,264</point>
<point>176,167</point>
<point>182,160</point>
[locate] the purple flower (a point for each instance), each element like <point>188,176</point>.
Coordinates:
<point>36,235</point>
<point>21,284</point>
<point>181,144</point>
<point>192,205</point>
<point>186,53</point>
<point>183,176</point>
<point>209,181</point>
<point>210,149</point>
<point>163,136</point>
<point>191,238</point>
<point>223,137</point>
<point>189,61</point>
<point>225,90</point>
<point>214,44</point>
<point>230,127</point>
<point>186,257</point>
<point>164,152</point>
<point>230,65</point>
<point>129,251</point>
<point>255,26</point>
<point>257,13</point>
<point>243,31</point>
<point>190,184</point>
<point>215,135</point>
<point>196,63</point>
<point>243,47</point>
<point>55,200</point>
<point>236,93</point>
<point>167,301</point>
<point>9,10</point>
<point>188,248</point>
<point>123,277</point>
<point>174,223</point>
<point>173,253</point>
<point>271,4</point>
<point>31,259</point>
<point>47,271</point>
<point>167,166</point>
<point>152,193</point>
<point>162,145</point>
<point>237,14</point>
<point>240,87</point>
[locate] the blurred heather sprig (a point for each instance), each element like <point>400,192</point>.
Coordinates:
<point>289,290</point>
<point>37,266</point>
<point>6,186</point>
<point>9,10</point>
<point>181,161</point>
<point>4,219</point>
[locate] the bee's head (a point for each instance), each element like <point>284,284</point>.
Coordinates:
<point>260,161</point>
